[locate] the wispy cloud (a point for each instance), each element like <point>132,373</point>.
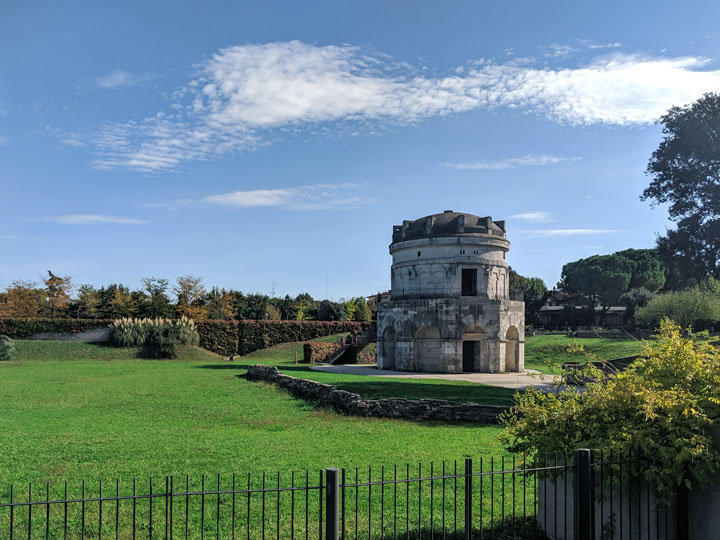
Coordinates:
<point>528,160</point>
<point>533,217</point>
<point>310,197</point>
<point>544,233</point>
<point>92,219</point>
<point>244,94</point>
<point>4,140</point>
<point>119,79</point>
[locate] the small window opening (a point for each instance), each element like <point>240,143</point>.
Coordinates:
<point>418,253</point>
<point>462,252</point>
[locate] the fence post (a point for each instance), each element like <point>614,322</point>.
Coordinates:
<point>332,491</point>
<point>584,494</point>
<point>682,517</point>
<point>468,499</point>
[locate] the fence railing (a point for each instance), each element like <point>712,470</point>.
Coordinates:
<point>594,497</point>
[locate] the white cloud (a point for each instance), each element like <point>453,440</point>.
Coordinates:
<point>92,219</point>
<point>533,217</point>
<point>243,94</point>
<point>119,79</point>
<point>310,197</point>
<point>528,160</point>
<point>544,233</point>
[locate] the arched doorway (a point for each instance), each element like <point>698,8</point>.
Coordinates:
<point>389,338</point>
<point>474,350</point>
<point>512,349</point>
<point>427,349</point>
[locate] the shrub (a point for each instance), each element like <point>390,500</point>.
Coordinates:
<point>256,335</point>
<point>219,336</point>
<point>698,307</point>
<point>657,410</point>
<point>318,352</point>
<point>367,354</point>
<point>7,348</point>
<point>25,328</point>
<point>163,340</point>
<point>129,332</point>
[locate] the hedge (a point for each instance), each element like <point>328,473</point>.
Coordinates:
<point>255,335</point>
<point>219,336</point>
<point>318,352</point>
<point>25,328</point>
<point>223,337</point>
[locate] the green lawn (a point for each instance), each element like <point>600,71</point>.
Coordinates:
<point>547,353</point>
<point>76,410</point>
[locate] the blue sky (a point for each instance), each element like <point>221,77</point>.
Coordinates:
<point>273,145</point>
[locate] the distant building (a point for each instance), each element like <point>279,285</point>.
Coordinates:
<point>555,315</point>
<point>450,308</point>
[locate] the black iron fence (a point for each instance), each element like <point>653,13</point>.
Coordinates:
<point>513,497</point>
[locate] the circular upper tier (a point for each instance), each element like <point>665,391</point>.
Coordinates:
<point>448,223</point>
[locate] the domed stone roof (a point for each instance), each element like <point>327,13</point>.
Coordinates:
<point>448,223</point>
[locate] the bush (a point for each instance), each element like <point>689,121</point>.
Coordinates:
<point>25,328</point>
<point>657,410</point>
<point>698,307</point>
<point>7,348</point>
<point>256,335</point>
<point>318,352</point>
<point>156,333</point>
<point>163,340</point>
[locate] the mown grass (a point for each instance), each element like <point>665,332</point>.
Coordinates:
<point>548,353</point>
<point>76,410</point>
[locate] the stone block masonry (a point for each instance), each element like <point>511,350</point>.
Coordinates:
<point>352,404</point>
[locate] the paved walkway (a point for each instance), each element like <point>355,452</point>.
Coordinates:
<point>519,381</point>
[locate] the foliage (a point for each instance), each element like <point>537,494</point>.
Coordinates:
<point>7,348</point>
<point>318,352</point>
<point>605,278</point>
<point>657,410</point>
<point>157,303</point>
<point>534,293</point>
<point>162,336</point>
<point>116,301</point>
<point>329,311</point>
<point>255,335</point>
<point>219,304</point>
<point>58,290</point>
<point>634,299</point>
<point>24,299</point>
<point>698,307</point>
<point>88,302</point>
<point>273,314</point>
<point>25,328</point>
<point>685,171</point>
<point>190,297</point>
<point>219,336</point>
<point>355,309</point>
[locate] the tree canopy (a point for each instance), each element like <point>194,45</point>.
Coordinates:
<point>605,278</point>
<point>685,171</point>
<point>534,293</point>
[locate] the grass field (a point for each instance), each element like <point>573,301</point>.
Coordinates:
<point>80,411</point>
<point>547,353</point>
<point>75,410</point>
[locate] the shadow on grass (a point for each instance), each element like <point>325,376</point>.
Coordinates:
<point>222,366</point>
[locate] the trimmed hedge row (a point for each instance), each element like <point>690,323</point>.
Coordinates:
<point>318,352</point>
<point>223,337</point>
<point>243,337</point>
<point>25,328</point>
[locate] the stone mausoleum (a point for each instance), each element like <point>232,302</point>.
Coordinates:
<point>450,308</point>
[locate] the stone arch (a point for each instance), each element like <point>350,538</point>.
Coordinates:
<point>475,355</point>
<point>389,348</point>
<point>512,349</point>
<point>427,349</point>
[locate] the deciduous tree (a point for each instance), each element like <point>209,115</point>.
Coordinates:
<point>685,171</point>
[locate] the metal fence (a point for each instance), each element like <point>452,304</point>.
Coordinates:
<point>513,497</point>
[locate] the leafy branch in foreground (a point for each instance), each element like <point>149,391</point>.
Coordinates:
<point>657,410</point>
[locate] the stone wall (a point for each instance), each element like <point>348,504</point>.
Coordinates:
<point>352,404</point>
